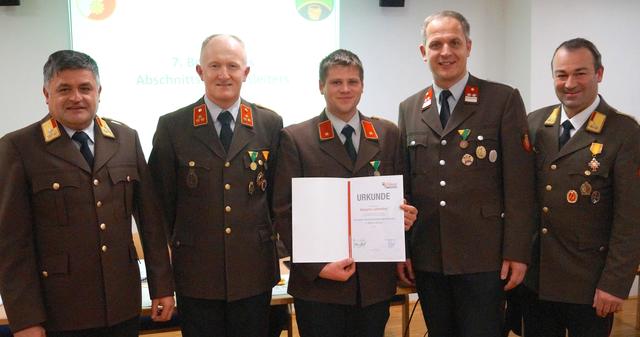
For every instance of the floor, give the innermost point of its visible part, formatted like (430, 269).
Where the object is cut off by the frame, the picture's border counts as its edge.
(624, 323)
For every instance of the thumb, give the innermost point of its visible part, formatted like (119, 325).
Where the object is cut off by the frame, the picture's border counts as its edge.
(504, 271)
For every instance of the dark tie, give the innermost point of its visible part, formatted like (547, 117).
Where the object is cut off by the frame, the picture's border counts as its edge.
(566, 133)
(347, 131)
(83, 139)
(225, 132)
(444, 107)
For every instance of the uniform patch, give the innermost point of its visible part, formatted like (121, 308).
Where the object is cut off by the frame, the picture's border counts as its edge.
(596, 122)
(369, 130)
(50, 130)
(471, 93)
(104, 128)
(200, 115)
(325, 130)
(427, 99)
(246, 116)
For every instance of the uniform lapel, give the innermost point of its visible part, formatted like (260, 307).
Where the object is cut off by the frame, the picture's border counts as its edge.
(207, 133)
(242, 134)
(547, 137)
(104, 148)
(64, 148)
(333, 147)
(463, 109)
(368, 148)
(430, 115)
(583, 138)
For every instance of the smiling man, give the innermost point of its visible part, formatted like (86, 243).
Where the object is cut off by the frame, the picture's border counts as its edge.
(70, 184)
(213, 163)
(341, 298)
(588, 179)
(469, 171)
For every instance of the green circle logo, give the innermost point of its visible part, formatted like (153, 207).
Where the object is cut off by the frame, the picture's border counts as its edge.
(314, 10)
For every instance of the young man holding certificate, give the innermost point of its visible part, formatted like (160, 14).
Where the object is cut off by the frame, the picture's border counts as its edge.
(339, 298)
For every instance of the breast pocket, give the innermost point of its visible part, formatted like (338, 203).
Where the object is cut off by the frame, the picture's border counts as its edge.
(52, 195)
(193, 175)
(484, 147)
(417, 147)
(123, 179)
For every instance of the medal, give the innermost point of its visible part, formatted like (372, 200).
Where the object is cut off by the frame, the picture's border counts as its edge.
(265, 155)
(252, 188)
(596, 149)
(464, 134)
(493, 156)
(263, 185)
(467, 159)
(481, 152)
(376, 167)
(594, 164)
(253, 155)
(572, 196)
(585, 188)
(192, 179)
(595, 197)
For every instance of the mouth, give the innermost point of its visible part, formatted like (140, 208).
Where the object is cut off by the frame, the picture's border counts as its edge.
(446, 63)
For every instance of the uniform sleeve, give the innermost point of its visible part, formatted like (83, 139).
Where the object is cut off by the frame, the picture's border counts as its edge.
(624, 248)
(19, 278)
(273, 159)
(518, 169)
(151, 226)
(405, 169)
(289, 166)
(162, 164)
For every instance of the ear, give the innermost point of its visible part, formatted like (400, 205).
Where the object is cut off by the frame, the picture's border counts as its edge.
(246, 73)
(423, 52)
(469, 47)
(321, 87)
(46, 94)
(599, 74)
(200, 72)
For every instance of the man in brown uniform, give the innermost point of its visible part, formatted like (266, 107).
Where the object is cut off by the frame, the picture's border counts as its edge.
(469, 171)
(70, 184)
(338, 298)
(588, 183)
(212, 162)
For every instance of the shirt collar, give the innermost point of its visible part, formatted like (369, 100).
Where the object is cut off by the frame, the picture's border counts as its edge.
(339, 124)
(88, 130)
(215, 110)
(456, 89)
(581, 117)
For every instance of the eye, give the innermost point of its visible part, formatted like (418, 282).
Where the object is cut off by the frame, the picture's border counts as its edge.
(435, 45)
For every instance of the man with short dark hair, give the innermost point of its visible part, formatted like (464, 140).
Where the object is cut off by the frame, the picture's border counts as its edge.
(469, 171)
(588, 184)
(70, 184)
(341, 298)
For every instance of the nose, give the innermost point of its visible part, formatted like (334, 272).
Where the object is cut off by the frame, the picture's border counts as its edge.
(75, 95)
(570, 83)
(223, 73)
(446, 49)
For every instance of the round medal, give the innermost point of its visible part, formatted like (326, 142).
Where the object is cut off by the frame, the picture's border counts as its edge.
(481, 152)
(467, 159)
(376, 173)
(493, 156)
(252, 188)
(464, 144)
(595, 197)
(585, 188)
(253, 166)
(572, 196)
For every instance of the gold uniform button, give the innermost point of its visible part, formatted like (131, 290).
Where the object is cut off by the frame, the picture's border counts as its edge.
(227, 187)
(227, 230)
(192, 163)
(554, 166)
(96, 182)
(544, 231)
(55, 186)
(103, 226)
(548, 187)
(587, 173)
(99, 204)
(227, 164)
(104, 248)
(545, 209)
(45, 274)
(227, 209)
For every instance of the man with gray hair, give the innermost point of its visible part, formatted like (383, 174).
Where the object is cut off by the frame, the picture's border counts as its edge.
(70, 184)
(469, 171)
(213, 163)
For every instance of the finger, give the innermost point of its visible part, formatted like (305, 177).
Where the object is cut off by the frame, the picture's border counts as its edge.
(412, 276)
(504, 271)
(167, 312)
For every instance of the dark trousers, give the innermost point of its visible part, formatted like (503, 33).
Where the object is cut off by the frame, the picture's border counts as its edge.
(553, 319)
(248, 317)
(317, 319)
(128, 328)
(466, 305)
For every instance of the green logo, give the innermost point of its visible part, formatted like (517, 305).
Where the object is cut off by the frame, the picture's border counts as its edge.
(314, 10)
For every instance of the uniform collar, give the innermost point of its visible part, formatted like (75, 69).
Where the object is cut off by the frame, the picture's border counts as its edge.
(581, 117)
(215, 110)
(88, 130)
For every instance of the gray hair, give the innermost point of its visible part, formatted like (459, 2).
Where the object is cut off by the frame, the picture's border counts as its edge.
(211, 37)
(66, 60)
(466, 28)
(340, 57)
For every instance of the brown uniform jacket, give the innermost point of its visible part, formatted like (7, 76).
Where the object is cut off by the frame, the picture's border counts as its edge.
(470, 217)
(68, 260)
(303, 153)
(594, 242)
(220, 229)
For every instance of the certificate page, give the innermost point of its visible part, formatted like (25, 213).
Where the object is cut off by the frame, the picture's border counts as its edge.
(377, 222)
(319, 209)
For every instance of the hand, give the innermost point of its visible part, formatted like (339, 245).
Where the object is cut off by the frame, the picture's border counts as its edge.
(339, 270)
(405, 273)
(606, 304)
(34, 331)
(162, 308)
(410, 215)
(515, 270)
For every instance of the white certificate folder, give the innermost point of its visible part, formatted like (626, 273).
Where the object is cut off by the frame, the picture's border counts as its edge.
(337, 218)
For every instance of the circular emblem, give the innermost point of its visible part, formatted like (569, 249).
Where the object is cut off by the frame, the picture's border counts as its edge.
(493, 156)
(96, 9)
(314, 10)
(467, 159)
(595, 197)
(572, 196)
(481, 152)
(464, 144)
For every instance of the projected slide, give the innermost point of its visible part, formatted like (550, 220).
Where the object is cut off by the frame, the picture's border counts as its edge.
(147, 51)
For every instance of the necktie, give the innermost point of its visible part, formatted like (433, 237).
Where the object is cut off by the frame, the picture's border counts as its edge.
(566, 133)
(444, 107)
(83, 139)
(225, 133)
(347, 131)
